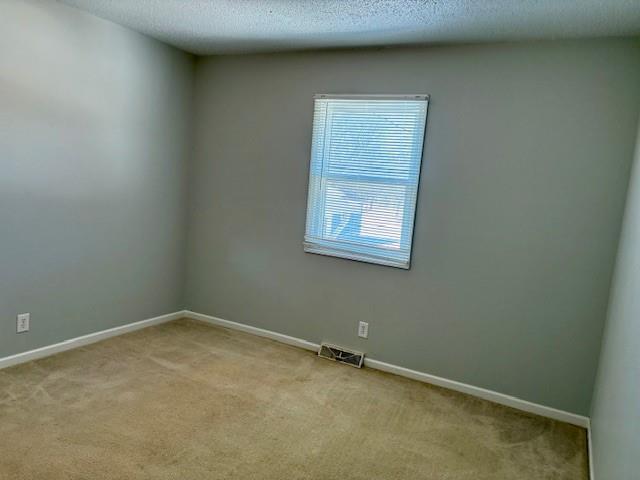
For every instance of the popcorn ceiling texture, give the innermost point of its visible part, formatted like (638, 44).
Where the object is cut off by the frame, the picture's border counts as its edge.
(241, 26)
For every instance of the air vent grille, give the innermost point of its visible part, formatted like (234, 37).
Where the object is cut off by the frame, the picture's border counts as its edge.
(342, 355)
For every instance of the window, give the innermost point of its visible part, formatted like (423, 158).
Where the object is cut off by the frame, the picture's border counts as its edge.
(363, 182)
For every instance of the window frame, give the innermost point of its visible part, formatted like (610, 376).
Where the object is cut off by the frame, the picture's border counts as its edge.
(364, 253)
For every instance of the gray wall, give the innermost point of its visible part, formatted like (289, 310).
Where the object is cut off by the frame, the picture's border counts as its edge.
(94, 137)
(615, 420)
(527, 156)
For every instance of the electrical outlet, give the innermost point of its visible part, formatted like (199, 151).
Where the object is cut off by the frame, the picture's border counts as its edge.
(22, 323)
(363, 330)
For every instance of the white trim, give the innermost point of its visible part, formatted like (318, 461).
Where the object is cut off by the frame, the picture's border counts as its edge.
(373, 96)
(490, 395)
(261, 332)
(496, 397)
(86, 340)
(592, 473)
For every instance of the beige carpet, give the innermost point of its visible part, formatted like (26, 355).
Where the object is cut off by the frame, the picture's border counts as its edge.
(186, 400)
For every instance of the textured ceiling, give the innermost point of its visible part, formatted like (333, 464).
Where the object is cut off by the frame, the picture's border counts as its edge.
(235, 26)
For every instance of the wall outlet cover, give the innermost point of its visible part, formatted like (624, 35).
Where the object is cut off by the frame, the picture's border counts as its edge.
(363, 330)
(22, 323)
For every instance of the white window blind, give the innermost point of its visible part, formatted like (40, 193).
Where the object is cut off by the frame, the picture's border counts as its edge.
(365, 168)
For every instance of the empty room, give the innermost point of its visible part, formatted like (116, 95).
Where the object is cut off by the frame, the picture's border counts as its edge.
(320, 239)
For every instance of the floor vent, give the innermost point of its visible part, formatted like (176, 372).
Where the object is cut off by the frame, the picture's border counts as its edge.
(339, 354)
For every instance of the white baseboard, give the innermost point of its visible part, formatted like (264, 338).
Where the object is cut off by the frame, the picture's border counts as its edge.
(261, 332)
(592, 473)
(86, 339)
(496, 397)
(490, 395)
